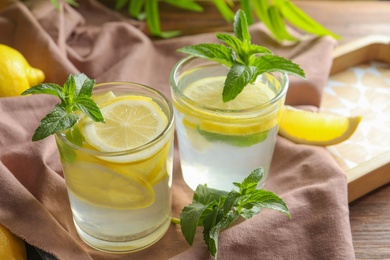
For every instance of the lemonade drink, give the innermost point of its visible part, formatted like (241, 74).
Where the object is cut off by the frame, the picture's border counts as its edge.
(119, 173)
(219, 142)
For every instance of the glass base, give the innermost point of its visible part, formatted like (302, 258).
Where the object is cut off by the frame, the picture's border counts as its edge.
(127, 246)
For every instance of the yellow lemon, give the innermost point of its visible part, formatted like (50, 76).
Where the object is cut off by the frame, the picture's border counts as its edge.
(16, 74)
(316, 128)
(11, 246)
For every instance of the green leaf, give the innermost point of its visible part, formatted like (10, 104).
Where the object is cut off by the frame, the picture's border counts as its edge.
(135, 8)
(271, 63)
(69, 90)
(213, 234)
(247, 8)
(57, 120)
(74, 136)
(119, 4)
(153, 17)
(224, 9)
(205, 195)
(237, 78)
(189, 218)
(210, 51)
(241, 27)
(278, 24)
(84, 85)
(45, 88)
(249, 184)
(232, 41)
(186, 5)
(89, 107)
(265, 199)
(301, 20)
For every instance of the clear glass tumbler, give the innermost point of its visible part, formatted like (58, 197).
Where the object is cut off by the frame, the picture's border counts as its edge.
(221, 143)
(120, 199)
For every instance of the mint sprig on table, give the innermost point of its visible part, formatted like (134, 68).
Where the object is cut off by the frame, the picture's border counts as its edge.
(246, 61)
(216, 210)
(75, 96)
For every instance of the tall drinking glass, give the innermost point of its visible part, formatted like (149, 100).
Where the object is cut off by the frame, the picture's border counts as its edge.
(221, 143)
(121, 198)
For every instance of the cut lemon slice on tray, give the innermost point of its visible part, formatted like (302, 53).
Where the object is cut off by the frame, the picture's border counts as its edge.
(316, 128)
(130, 122)
(101, 186)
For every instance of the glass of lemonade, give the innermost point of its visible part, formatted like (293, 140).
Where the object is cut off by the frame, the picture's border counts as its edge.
(119, 173)
(221, 143)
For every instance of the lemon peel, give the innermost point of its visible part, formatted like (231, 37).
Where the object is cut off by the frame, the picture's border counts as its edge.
(16, 74)
(11, 246)
(316, 128)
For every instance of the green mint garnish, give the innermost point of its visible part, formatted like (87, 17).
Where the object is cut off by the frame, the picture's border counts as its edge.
(245, 60)
(75, 95)
(215, 209)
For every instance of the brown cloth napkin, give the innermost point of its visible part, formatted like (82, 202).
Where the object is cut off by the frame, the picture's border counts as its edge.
(97, 41)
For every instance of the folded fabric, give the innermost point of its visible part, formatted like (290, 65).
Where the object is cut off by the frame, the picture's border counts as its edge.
(107, 47)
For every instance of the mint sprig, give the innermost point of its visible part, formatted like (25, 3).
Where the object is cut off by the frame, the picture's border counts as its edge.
(75, 95)
(216, 210)
(245, 60)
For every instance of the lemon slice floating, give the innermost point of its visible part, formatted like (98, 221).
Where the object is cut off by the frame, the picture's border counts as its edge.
(208, 91)
(306, 127)
(130, 122)
(103, 187)
(237, 130)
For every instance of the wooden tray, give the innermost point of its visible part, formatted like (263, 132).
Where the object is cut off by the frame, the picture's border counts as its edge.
(359, 84)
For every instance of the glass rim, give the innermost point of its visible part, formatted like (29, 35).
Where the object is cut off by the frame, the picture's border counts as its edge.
(162, 135)
(283, 80)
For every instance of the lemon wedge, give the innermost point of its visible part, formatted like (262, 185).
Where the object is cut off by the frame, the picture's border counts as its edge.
(316, 128)
(130, 122)
(103, 187)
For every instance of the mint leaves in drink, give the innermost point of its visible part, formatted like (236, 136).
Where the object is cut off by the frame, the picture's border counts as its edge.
(246, 61)
(75, 96)
(216, 210)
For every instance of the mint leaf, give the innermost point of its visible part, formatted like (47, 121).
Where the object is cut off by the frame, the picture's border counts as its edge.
(84, 85)
(74, 95)
(237, 78)
(57, 120)
(45, 88)
(215, 52)
(215, 210)
(89, 107)
(245, 60)
(240, 27)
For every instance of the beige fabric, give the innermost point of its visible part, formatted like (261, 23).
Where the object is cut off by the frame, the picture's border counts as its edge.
(96, 41)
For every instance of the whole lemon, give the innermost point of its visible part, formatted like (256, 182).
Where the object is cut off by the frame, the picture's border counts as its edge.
(11, 246)
(16, 74)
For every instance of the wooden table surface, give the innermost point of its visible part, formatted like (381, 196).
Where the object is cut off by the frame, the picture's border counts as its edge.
(369, 215)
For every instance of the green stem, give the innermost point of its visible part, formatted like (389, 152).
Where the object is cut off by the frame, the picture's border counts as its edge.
(175, 220)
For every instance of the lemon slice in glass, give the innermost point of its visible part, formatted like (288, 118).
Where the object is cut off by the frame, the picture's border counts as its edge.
(130, 122)
(235, 128)
(208, 92)
(103, 187)
(316, 128)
